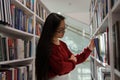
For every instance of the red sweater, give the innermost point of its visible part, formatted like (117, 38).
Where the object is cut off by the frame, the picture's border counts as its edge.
(59, 59)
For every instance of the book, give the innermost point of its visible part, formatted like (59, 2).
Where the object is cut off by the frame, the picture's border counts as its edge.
(97, 46)
(101, 44)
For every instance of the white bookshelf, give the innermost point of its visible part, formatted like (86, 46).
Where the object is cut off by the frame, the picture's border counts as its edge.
(7, 30)
(108, 21)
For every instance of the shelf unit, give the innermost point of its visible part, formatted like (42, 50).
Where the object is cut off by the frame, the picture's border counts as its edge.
(104, 17)
(27, 13)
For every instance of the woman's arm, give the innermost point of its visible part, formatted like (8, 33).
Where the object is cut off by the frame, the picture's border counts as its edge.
(60, 66)
(84, 54)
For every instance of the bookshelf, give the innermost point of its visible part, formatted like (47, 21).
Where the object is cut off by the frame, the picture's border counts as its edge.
(20, 28)
(105, 26)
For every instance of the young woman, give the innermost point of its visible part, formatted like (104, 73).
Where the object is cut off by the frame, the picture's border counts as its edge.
(53, 59)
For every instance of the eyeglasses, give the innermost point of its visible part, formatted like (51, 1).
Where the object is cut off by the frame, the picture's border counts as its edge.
(62, 30)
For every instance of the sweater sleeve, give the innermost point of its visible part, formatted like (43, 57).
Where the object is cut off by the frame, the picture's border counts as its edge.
(59, 65)
(83, 55)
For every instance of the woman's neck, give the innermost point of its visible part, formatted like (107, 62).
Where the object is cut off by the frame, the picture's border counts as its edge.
(56, 41)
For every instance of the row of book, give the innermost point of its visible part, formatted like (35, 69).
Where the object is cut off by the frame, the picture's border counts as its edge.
(15, 17)
(28, 3)
(102, 47)
(102, 7)
(13, 48)
(38, 29)
(102, 54)
(5, 12)
(41, 11)
(19, 73)
(102, 10)
(20, 20)
(116, 44)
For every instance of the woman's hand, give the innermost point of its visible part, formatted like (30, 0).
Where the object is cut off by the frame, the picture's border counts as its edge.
(91, 45)
(73, 58)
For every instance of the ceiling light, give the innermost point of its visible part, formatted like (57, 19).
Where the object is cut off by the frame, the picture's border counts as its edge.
(59, 12)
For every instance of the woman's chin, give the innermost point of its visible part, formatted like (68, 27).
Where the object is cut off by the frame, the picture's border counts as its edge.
(61, 37)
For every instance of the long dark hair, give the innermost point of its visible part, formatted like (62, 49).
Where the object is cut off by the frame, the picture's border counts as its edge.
(44, 45)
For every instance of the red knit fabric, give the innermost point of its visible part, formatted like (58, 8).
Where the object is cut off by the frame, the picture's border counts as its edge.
(59, 59)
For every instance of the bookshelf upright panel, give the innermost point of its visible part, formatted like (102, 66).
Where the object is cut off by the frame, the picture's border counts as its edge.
(108, 25)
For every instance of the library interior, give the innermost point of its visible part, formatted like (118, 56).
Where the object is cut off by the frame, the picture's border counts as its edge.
(89, 49)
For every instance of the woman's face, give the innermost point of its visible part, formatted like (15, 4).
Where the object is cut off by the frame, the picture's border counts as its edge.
(60, 30)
